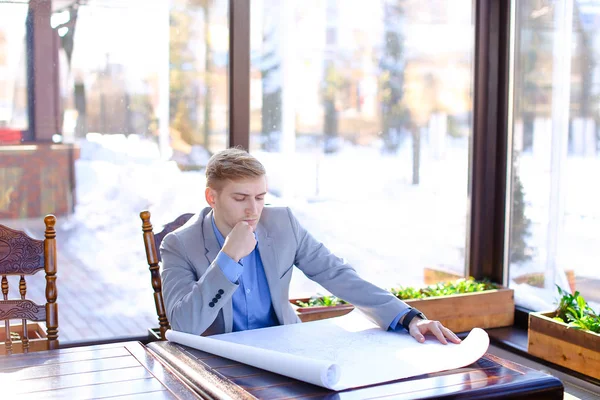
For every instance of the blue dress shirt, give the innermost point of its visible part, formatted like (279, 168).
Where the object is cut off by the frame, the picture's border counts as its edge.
(252, 305)
(394, 325)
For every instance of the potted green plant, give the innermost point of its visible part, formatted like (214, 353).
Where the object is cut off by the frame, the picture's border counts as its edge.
(458, 286)
(568, 336)
(320, 307)
(462, 304)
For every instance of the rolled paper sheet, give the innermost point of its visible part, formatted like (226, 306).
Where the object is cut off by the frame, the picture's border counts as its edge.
(317, 372)
(339, 353)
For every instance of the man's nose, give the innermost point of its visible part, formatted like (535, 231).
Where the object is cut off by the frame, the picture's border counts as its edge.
(252, 207)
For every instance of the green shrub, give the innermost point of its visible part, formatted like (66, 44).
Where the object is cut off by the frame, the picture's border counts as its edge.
(321, 301)
(575, 312)
(465, 285)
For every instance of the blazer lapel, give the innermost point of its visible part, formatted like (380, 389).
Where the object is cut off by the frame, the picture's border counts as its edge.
(268, 257)
(211, 245)
(212, 248)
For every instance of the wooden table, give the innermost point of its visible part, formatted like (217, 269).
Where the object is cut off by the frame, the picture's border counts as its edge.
(125, 369)
(215, 377)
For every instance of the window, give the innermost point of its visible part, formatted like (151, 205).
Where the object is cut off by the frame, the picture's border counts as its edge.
(13, 71)
(361, 113)
(555, 217)
(143, 97)
(14, 116)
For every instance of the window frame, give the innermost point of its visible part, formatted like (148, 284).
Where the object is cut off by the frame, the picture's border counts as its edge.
(489, 172)
(489, 148)
(239, 73)
(489, 152)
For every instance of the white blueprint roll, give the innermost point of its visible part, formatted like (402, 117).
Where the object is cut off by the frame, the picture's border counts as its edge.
(339, 353)
(317, 372)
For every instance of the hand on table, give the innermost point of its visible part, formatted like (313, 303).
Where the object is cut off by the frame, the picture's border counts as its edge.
(419, 327)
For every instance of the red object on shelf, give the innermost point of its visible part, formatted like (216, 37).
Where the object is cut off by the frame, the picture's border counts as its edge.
(10, 136)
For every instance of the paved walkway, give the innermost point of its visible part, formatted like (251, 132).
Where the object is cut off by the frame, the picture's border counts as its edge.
(103, 282)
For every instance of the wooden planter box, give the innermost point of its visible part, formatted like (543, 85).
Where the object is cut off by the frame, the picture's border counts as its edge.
(463, 312)
(459, 312)
(35, 332)
(556, 342)
(307, 314)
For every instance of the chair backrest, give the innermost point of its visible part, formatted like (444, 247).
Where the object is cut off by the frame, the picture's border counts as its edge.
(22, 255)
(152, 243)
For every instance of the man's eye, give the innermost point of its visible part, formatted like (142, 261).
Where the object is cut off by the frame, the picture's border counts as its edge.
(260, 198)
(238, 198)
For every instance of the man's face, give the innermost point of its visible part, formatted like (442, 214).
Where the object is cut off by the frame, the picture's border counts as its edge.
(237, 201)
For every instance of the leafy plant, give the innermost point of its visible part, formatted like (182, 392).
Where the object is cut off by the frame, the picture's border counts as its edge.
(575, 312)
(468, 285)
(321, 301)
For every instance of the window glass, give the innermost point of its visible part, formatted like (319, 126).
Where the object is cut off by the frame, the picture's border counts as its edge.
(361, 113)
(13, 71)
(555, 218)
(142, 95)
(14, 116)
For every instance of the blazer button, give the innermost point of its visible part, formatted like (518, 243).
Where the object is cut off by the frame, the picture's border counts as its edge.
(218, 296)
(215, 300)
(221, 291)
(211, 304)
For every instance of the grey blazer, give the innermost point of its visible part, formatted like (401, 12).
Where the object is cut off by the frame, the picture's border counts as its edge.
(191, 277)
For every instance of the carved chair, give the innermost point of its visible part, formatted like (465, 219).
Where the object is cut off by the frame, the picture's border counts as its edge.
(21, 255)
(152, 243)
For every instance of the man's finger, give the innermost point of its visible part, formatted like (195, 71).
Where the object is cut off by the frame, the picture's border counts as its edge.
(415, 333)
(435, 329)
(451, 335)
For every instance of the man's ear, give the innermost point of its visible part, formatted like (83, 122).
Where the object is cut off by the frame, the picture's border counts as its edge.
(209, 195)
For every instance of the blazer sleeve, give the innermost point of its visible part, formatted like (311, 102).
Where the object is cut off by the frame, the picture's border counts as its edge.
(338, 277)
(192, 302)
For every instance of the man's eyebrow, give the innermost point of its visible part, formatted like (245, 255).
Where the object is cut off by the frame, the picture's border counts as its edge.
(246, 194)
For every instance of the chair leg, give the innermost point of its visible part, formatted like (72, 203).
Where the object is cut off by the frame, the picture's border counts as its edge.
(51, 292)
(8, 342)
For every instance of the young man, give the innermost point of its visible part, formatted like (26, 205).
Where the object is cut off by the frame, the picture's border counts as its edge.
(229, 268)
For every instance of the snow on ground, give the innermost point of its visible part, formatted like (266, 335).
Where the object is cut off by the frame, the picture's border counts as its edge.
(386, 227)
(117, 178)
(358, 201)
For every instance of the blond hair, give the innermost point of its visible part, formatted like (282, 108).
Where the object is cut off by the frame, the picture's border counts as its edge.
(232, 164)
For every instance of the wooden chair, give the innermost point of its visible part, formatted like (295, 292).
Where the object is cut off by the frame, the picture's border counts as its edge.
(152, 243)
(22, 255)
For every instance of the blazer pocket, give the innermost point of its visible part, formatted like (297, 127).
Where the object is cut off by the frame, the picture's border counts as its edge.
(287, 271)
